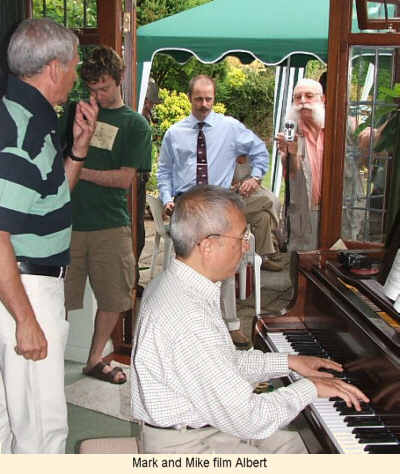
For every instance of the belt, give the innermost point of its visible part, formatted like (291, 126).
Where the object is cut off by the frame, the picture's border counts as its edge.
(27, 268)
(176, 429)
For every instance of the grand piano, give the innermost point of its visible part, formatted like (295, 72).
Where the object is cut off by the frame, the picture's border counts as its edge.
(337, 315)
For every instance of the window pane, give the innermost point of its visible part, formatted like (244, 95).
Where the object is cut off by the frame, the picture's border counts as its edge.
(79, 13)
(376, 10)
(369, 145)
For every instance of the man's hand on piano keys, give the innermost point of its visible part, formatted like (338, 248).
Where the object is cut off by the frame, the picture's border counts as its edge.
(308, 366)
(327, 385)
(333, 387)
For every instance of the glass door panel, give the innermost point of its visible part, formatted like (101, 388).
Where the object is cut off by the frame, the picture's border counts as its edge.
(368, 146)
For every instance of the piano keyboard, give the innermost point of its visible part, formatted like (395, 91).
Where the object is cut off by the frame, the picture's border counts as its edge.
(352, 432)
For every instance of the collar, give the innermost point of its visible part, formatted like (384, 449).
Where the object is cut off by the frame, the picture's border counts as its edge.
(200, 285)
(302, 127)
(209, 120)
(31, 99)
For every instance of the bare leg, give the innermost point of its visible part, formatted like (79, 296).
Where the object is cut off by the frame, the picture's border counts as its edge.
(104, 324)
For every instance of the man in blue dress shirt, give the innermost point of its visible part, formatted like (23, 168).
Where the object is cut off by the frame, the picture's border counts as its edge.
(226, 139)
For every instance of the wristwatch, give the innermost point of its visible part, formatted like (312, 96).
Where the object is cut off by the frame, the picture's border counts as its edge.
(258, 179)
(76, 158)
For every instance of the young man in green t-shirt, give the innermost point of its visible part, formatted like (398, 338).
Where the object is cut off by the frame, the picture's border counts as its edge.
(101, 245)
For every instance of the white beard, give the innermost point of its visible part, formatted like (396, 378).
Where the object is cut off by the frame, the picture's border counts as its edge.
(318, 112)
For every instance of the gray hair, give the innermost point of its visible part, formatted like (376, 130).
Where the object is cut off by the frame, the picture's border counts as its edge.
(36, 42)
(200, 212)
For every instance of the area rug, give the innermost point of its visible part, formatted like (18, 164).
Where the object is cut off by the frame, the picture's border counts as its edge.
(104, 397)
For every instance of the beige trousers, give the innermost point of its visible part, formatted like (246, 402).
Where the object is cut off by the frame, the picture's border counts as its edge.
(260, 212)
(210, 440)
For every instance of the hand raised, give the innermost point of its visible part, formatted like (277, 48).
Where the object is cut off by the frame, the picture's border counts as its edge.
(84, 125)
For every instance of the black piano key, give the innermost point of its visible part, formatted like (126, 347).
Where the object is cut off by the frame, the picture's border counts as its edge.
(352, 411)
(294, 332)
(363, 421)
(383, 449)
(309, 339)
(391, 420)
(365, 431)
(340, 403)
(335, 373)
(307, 345)
(383, 438)
(304, 343)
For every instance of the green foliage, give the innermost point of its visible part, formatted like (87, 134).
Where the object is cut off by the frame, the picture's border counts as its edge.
(153, 10)
(389, 136)
(174, 107)
(74, 17)
(151, 185)
(248, 93)
(170, 74)
(388, 112)
(360, 66)
(314, 69)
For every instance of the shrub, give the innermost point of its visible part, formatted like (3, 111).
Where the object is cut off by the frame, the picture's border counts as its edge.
(248, 93)
(175, 106)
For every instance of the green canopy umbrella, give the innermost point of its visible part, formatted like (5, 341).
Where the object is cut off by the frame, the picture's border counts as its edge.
(268, 30)
(274, 32)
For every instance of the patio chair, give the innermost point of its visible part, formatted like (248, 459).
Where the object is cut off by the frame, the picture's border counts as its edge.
(161, 231)
(252, 258)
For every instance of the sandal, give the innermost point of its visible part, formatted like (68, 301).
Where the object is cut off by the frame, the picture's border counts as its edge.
(97, 372)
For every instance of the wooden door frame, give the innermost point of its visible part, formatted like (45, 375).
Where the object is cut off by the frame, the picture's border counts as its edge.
(341, 39)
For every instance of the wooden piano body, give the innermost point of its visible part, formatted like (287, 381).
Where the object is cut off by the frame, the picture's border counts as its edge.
(356, 325)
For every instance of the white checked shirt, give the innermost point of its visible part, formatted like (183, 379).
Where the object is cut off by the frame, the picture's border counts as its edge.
(186, 370)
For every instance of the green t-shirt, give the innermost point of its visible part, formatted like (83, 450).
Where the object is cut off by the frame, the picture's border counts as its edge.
(122, 139)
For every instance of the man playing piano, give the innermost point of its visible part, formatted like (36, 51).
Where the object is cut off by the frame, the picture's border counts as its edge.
(191, 389)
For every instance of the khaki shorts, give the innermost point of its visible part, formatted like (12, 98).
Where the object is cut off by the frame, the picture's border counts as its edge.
(105, 256)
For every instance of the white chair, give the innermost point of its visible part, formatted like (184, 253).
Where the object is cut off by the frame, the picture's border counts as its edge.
(161, 230)
(252, 258)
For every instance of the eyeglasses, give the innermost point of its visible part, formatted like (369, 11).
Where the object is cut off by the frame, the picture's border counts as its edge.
(306, 95)
(244, 238)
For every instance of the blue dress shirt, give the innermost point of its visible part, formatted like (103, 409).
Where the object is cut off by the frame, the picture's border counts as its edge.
(226, 139)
